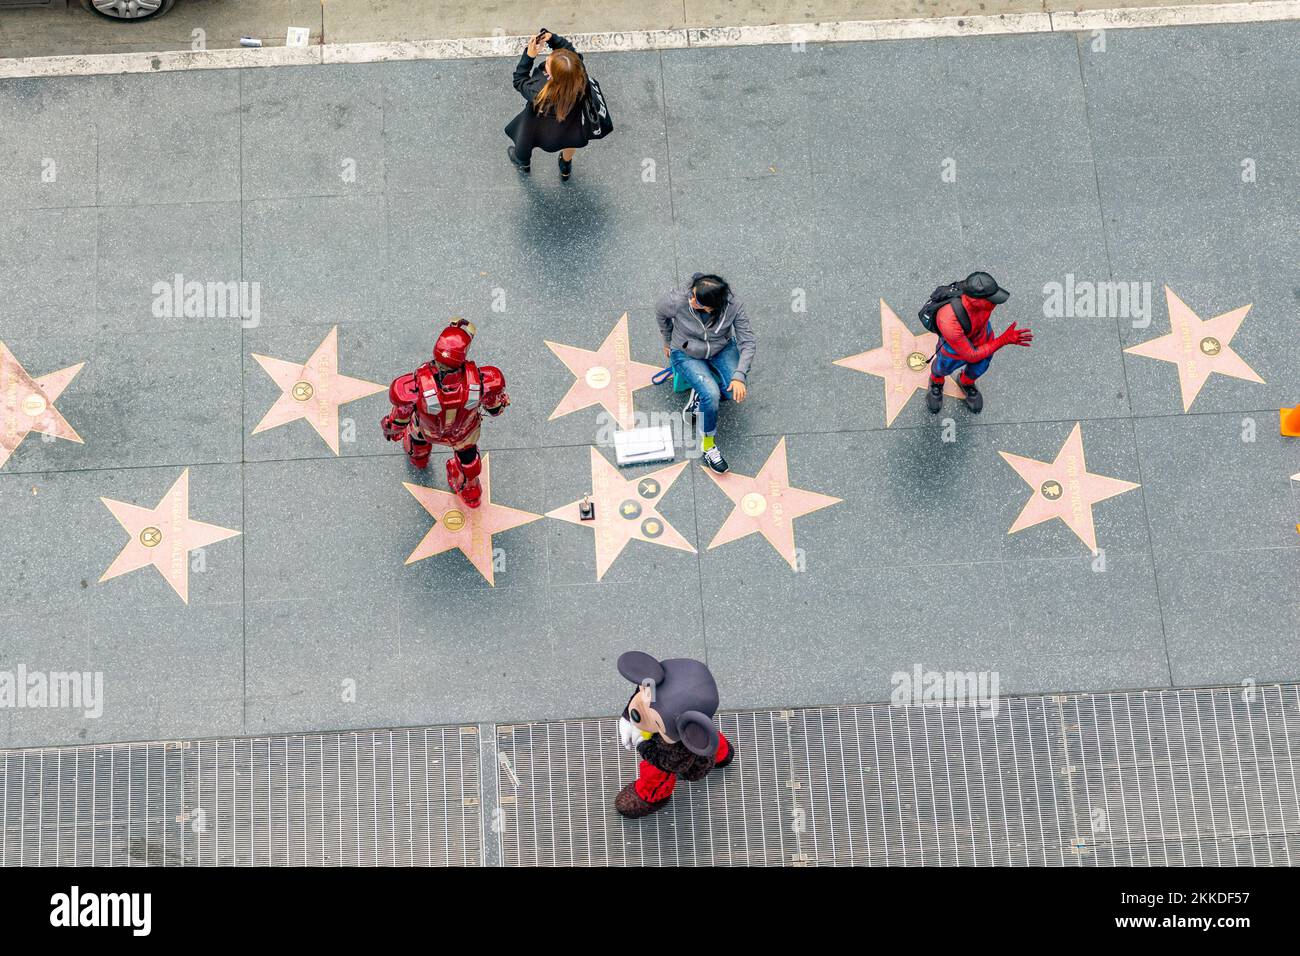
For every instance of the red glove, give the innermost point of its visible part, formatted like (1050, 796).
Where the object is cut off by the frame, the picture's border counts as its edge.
(393, 431)
(1014, 336)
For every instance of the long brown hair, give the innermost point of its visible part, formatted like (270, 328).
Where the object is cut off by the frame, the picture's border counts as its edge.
(565, 86)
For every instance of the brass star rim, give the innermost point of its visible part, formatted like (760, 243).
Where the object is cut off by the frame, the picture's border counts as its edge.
(27, 404)
(902, 361)
(169, 523)
(608, 377)
(1198, 347)
(624, 511)
(767, 504)
(456, 526)
(1064, 488)
(314, 390)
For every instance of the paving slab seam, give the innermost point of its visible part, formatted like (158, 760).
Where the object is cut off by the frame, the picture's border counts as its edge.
(640, 40)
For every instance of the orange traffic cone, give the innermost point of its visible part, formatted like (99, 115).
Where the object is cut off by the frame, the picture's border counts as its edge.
(1291, 422)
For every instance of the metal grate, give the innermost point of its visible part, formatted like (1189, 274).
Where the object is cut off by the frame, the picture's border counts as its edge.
(397, 797)
(1173, 777)
(1177, 777)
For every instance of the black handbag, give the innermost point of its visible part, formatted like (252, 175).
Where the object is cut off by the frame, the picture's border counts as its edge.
(595, 112)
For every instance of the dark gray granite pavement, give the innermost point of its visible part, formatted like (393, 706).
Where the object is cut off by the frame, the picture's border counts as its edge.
(376, 198)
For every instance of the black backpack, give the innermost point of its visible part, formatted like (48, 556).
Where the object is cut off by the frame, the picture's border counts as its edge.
(949, 294)
(595, 112)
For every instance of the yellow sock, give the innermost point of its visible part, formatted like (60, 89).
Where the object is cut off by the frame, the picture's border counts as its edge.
(707, 443)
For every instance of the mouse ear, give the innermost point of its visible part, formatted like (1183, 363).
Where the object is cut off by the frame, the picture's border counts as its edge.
(697, 732)
(638, 667)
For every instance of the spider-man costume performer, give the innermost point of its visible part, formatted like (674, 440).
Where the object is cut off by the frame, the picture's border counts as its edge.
(442, 403)
(967, 341)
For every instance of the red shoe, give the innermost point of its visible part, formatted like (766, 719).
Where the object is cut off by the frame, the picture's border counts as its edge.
(470, 491)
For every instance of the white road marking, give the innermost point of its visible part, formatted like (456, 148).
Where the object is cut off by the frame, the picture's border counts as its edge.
(832, 32)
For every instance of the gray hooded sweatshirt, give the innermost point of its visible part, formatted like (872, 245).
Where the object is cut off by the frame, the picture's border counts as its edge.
(702, 335)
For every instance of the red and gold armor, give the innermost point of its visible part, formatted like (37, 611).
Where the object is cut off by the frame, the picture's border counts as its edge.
(442, 403)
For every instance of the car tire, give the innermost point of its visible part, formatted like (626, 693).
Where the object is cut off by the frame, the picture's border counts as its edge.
(120, 11)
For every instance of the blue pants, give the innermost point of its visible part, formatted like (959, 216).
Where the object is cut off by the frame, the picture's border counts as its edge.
(945, 363)
(706, 377)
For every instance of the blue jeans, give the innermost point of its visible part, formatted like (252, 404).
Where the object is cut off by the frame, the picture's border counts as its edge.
(945, 363)
(706, 377)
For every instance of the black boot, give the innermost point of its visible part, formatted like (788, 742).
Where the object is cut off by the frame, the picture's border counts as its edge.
(566, 168)
(974, 400)
(934, 397)
(514, 160)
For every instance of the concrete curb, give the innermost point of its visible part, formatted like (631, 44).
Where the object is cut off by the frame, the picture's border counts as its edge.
(507, 46)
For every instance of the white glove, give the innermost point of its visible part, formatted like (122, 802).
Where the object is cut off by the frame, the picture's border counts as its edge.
(628, 735)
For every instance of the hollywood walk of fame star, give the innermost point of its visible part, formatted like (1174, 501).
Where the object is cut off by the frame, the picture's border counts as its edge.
(766, 504)
(903, 361)
(313, 390)
(1065, 489)
(27, 404)
(626, 509)
(163, 536)
(607, 377)
(1198, 347)
(455, 525)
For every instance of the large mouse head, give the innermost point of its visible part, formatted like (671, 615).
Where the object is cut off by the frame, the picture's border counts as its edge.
(676, 699)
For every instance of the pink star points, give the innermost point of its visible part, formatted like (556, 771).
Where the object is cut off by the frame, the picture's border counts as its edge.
(626, 509)
(27, 404)
(767, 505)
(457, 526)
(902, 360)
(313, 390)
(163, 536)
(1065, 489)
(607, 377)
(1199, 348)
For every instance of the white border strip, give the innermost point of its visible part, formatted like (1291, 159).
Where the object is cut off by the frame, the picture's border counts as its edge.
(1260, 11)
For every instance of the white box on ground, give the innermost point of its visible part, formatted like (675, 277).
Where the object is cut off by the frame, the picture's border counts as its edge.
(298, 36)
(640, 446)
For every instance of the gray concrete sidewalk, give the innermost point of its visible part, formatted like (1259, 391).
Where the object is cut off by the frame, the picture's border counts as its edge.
(40, 32)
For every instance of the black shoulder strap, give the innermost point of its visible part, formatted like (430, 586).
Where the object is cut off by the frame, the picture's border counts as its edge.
(959, 310)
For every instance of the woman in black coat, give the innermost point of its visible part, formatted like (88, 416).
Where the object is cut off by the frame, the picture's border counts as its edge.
(555, 91)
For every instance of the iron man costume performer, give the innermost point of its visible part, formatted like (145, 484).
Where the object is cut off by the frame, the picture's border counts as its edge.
(442, 403)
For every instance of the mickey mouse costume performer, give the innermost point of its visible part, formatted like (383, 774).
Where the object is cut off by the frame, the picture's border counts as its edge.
(669, 722)
(966, 339)
(442, 402)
